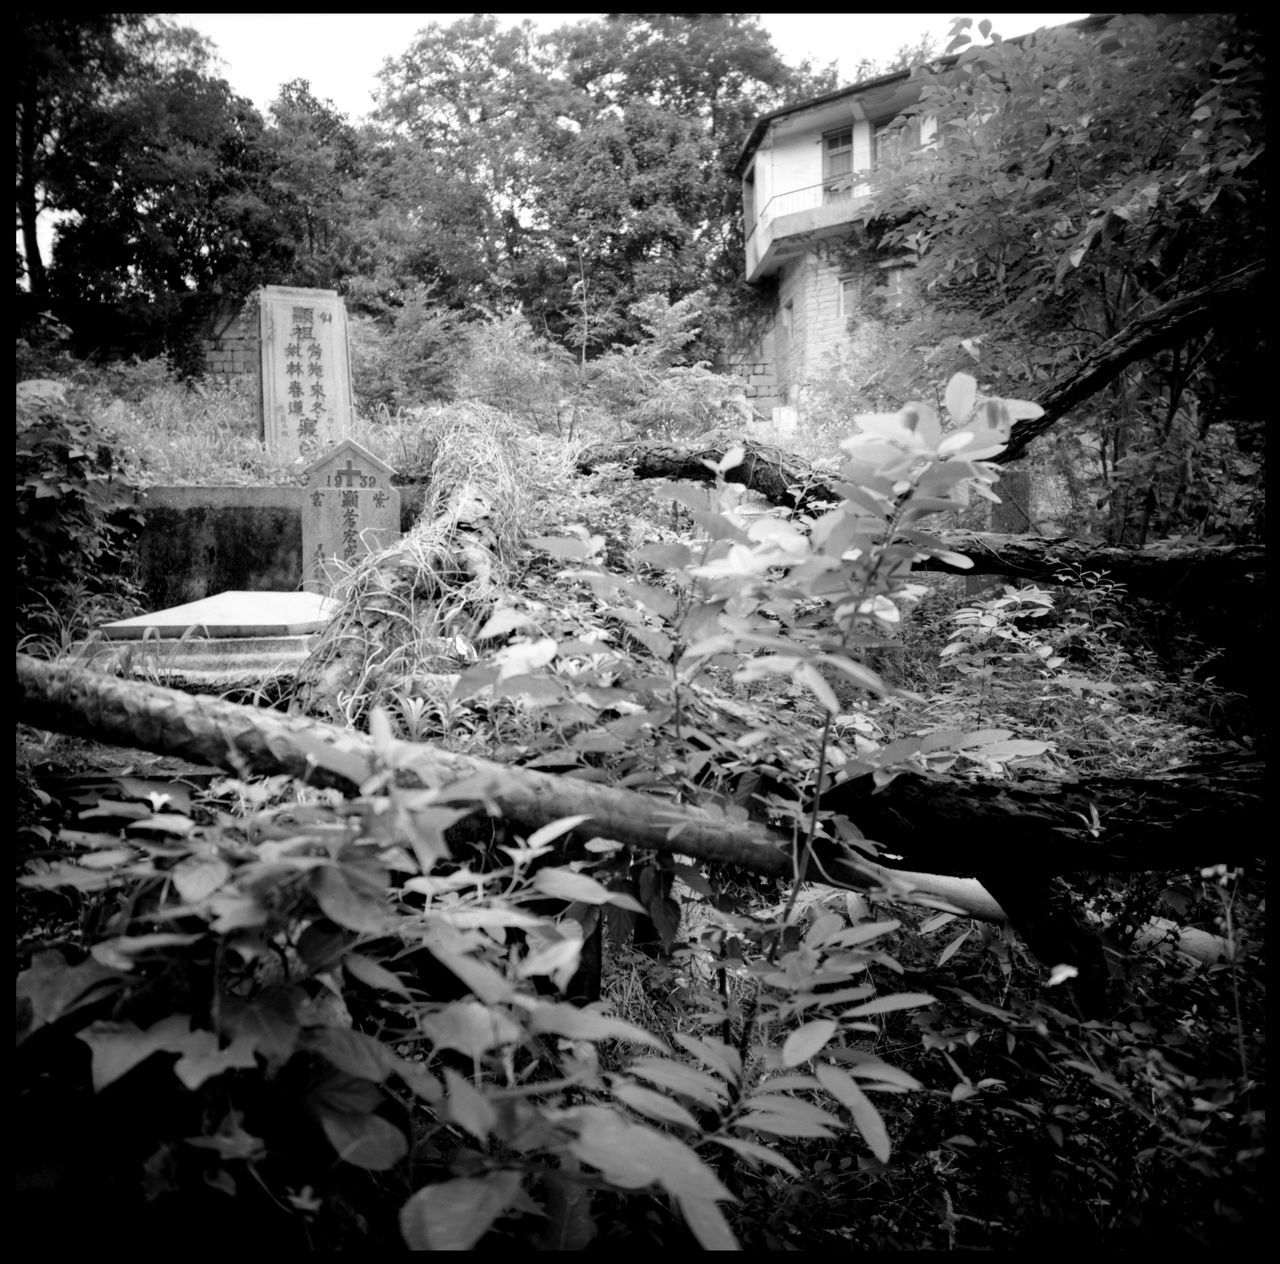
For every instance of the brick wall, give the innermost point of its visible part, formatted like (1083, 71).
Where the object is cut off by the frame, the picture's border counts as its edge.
(233, 349)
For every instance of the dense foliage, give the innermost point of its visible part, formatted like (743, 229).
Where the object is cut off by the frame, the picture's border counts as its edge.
(1079, 180)
(310, 1021)
(322, 1022)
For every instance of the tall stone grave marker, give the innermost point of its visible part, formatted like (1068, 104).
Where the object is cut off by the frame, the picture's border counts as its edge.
(306, 370)
(349, 509)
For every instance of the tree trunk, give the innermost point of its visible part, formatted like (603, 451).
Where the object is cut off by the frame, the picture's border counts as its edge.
(1165, 326)
(1185, 574)
(1172, 823)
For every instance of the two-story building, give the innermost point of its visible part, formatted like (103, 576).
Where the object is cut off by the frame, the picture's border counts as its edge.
(806, 172)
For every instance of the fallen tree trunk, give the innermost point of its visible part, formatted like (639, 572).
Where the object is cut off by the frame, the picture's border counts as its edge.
(1186, 574)
(1008, 827)
(1162, 327)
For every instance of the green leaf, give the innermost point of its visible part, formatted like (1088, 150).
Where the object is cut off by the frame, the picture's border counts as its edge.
(680, 1078)
(723, 1059)
(807, 1040)
(784, 1124)
(868, 1066)
(116, 1048)
(632, 1155)
(562, 546)
(483, 980)
(202, 1059)
(586, 1024)
(756, 1153)
(863, 933)
(467, 1106)
(887, 1004)
(266, 1022)
(342, 902)
(54, 988)
(705, 1219)
(555, 829)
(840, 1085)
(500, 622)
(962, 391)
(353, 1052)
(374, 975)
(953, 947)
(564, 884)
(198, 877)
(655, 1106)
(455, 1215)
(670, 557)
(364, 1140)
(809, 675)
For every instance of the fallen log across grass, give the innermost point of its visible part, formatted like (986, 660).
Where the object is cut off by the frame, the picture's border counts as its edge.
(1017, 840)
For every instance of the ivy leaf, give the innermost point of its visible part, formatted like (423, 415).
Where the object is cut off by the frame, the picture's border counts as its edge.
(203, 1059)
(455, 1215)
(198, 877)
(116, 1048)
(54, 988)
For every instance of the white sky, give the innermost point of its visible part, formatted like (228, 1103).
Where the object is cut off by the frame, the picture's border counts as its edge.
(341, 53)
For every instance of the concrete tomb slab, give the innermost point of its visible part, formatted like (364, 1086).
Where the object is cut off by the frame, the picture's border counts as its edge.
(349, 509)
(306, 370)
(231, 615)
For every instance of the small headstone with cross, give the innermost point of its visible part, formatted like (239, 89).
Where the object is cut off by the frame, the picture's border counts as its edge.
(349, 509)
(306, 372)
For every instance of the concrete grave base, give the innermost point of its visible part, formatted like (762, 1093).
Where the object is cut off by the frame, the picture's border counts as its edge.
(236, 640)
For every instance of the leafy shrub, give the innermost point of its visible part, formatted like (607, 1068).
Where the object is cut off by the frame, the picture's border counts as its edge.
(302, 1017)
(409, 357)
(76, 518)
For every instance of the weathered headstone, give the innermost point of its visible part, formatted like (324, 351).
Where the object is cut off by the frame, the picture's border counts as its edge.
(349, 508)
(306, 370)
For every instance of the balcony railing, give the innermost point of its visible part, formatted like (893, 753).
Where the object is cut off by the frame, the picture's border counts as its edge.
(829, 192)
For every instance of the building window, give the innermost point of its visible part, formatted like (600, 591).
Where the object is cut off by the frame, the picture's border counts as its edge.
(898, 288)
(788, 317)
(847, 292)
(837, 165)
(890, 143)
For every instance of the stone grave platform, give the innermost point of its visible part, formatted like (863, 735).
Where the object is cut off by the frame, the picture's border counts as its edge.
(236, 640)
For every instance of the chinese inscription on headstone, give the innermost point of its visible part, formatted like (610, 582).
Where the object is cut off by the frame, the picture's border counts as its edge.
(349, 508)
(306, 374)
